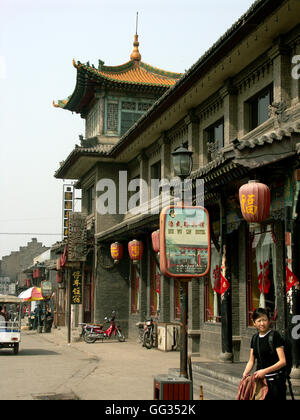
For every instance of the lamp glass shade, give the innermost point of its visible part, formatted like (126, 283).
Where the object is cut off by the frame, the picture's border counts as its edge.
(182, 162)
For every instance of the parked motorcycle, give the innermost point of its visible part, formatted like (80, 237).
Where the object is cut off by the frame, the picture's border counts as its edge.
(93, 332)
(148, 335)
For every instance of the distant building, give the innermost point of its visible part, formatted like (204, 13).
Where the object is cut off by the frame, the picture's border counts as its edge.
(12, 265)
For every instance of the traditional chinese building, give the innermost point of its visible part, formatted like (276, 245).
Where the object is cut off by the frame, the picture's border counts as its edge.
(110, 99)
(238, 110)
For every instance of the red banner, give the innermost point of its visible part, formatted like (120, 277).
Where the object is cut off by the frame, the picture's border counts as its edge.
(291, 279)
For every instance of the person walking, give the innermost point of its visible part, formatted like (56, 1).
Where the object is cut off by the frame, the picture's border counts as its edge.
(2, 318)
(5, 313)
(270, 363)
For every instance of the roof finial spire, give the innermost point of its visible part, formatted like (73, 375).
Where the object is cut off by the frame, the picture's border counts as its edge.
(135, 55)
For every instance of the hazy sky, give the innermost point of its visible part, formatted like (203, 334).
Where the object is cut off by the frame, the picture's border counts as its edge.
(38, 41)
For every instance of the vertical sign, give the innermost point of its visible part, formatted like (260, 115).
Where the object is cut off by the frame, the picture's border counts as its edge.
(76, 287)
(77, 238)
(68, 206)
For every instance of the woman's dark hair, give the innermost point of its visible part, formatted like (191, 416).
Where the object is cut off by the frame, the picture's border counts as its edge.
(260, 312)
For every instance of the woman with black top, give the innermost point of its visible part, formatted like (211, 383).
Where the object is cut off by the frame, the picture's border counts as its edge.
(270, 364)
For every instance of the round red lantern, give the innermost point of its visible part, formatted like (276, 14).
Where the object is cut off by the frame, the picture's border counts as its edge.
(255, 199)
(116, 251)
(155, 240)
(135, 249)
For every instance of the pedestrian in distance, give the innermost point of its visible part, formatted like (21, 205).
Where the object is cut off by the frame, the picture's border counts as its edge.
(267, 348)
(2, 318)
(5, 313)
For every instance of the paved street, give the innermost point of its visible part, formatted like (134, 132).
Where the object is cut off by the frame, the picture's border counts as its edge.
(42, 368)
(47, 367)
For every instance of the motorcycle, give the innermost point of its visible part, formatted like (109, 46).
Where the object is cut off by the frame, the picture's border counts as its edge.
(148, 335)
(93, 332)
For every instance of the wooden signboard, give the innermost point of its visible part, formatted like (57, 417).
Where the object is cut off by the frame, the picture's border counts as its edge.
(77, 240)
(76, 287)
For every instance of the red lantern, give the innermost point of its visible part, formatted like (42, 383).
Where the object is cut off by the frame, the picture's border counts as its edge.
(135, 249)
(255, 199)
(116, 251)
(156, 240)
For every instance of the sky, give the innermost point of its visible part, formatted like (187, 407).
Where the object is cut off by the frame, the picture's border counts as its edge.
(38, 41)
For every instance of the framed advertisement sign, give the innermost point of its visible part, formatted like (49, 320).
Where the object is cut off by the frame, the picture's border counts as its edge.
(185, 241)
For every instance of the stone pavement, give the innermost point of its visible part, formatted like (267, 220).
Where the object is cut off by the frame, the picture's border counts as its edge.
(125, 371)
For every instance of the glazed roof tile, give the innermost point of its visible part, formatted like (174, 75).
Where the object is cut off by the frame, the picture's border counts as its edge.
(132, 73)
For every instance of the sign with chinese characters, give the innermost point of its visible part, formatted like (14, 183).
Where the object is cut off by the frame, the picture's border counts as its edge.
(68, 205)
(77, 240)
(76, 287)
(185, 241)
(248, 203)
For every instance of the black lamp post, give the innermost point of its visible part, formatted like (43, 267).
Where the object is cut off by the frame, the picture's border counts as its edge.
(183, 163)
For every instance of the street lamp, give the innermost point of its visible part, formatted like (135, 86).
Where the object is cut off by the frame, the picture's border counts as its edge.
(183, 163)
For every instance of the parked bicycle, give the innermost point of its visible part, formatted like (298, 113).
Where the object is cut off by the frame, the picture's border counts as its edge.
(92, 332)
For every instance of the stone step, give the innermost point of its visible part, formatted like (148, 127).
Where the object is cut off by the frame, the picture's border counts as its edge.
(220, 381)
(213, 389)
(215, 386)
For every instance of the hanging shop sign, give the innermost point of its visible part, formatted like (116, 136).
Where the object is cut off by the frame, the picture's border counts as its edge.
(77, 239)
(255, 199)
(184, 241)
(116, 251)
(46, 288)
(76, 287)
(155, 240)
(68, 206)
(135, 249)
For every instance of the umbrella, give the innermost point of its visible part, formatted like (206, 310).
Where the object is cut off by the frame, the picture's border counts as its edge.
(31, 294)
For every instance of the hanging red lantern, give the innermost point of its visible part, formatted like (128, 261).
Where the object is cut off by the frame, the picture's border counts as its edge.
(135, 249)
(116, 251)
(255, 199)
(156, 240)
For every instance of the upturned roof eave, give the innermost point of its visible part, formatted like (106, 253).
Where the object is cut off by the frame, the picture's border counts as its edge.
(87, 75)
(73, 157)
